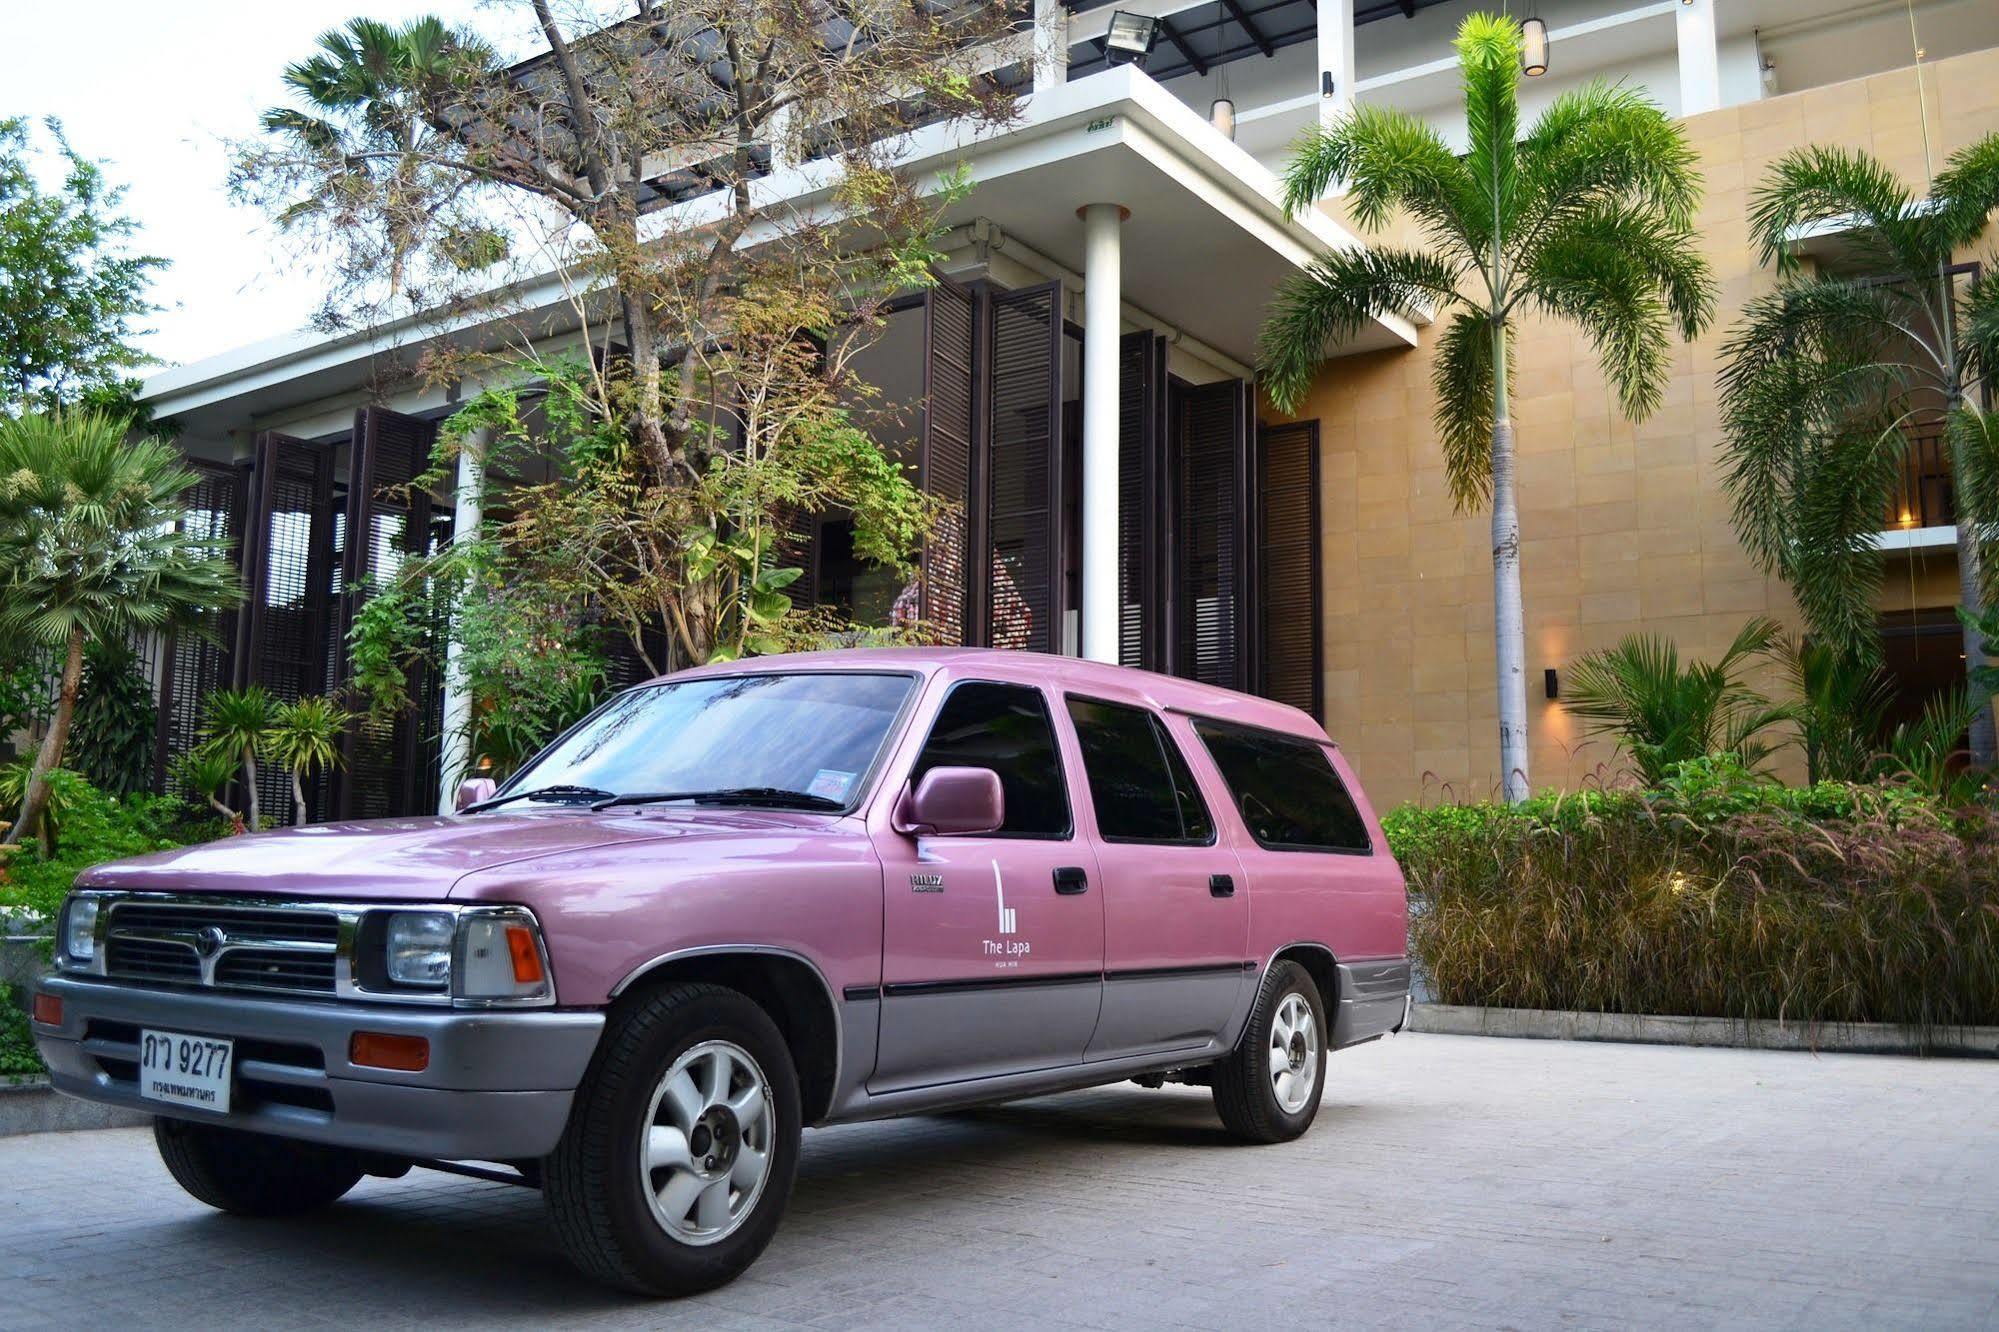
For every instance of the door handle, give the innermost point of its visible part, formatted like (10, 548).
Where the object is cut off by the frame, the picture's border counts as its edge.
(1221, 885)
(1070, 880)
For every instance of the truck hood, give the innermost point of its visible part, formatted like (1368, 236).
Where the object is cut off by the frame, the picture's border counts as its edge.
(419, 859)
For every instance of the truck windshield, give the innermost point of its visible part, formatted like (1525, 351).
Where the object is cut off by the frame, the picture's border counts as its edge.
(751, 738)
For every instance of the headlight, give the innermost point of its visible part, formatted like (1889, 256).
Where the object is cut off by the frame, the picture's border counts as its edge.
(500, 958)
(419, 948)
(79, 930)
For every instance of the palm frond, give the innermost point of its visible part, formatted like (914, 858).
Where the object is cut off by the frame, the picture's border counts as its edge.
(1488, 47)
(1335, 297)
(1388, 160)
(1965, 194)
(1605, 145)
(1820, 184)
(1462, 381)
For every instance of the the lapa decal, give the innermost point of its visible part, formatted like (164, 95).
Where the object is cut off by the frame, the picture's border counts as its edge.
(1006, 947)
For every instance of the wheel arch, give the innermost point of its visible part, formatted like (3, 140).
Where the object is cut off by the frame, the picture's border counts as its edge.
(1319, 964)
(788, 986)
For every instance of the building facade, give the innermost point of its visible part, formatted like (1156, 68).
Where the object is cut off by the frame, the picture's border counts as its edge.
(1079, 383)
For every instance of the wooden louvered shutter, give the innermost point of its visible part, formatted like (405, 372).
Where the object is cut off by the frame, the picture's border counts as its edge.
(1288, 598)
(388, 524)
(1210, 570)
(197, 659)
(1141, 499)
(1025, 480)
(287, 576)
(944, 460)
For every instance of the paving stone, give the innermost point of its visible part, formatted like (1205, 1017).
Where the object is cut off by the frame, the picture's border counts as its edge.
(1450, 1182)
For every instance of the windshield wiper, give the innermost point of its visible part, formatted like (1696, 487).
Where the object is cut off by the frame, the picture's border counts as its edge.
(776, 796)
(558, 792)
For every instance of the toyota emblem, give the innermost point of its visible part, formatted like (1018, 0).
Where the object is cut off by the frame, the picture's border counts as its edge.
(209, 942)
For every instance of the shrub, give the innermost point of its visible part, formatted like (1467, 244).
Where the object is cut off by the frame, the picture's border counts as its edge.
(1714, 895)
(97, 828)
(112, 736)
(17, 1043)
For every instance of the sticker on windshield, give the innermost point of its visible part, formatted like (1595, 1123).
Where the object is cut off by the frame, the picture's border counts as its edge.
(831, 783)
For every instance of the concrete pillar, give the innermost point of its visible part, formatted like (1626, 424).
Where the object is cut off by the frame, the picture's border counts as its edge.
(1051, 44)
(468, 512)
(1700, 58)
(1102, 299)
(1336, 74)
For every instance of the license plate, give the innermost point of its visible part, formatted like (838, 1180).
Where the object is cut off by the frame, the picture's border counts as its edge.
(185, 1070)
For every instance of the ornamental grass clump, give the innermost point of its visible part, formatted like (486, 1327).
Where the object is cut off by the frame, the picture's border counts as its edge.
(1713, 896)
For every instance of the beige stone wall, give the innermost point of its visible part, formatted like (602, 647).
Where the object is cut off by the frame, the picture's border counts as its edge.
(1624, 525)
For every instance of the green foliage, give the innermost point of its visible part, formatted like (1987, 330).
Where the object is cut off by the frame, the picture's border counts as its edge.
(1829, 379)
(1841, 703)
(112, 738)
(63, 786)
(18, 1058)
(97, 828)
(25, 671)
(71, 294)
(207, 773)
(305, 738)
(1663, 713)
(1715, 895)
(1929, 752)
(237, 724)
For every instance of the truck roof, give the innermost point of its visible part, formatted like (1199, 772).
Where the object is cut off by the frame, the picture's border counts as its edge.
(1165, 692)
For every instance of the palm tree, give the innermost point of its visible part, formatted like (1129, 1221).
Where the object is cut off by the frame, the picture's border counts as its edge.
(91, 549)
(239, 724)
(1587, 217)
(1840, 710)
(305, 736)
(1664, 713)
(363, 96)
(1830, 379)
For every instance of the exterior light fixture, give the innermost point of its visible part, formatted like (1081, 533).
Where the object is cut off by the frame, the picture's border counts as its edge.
(1534, 47)
(1221, 111)
(1130, 37)
(1551, 683)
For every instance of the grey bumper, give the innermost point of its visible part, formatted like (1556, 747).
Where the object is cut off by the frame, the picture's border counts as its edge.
(497, 1088)
(1374, 1000)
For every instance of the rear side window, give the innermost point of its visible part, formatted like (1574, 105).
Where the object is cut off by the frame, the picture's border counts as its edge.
(1140, 786)
(1005, 728)
(1290, 797)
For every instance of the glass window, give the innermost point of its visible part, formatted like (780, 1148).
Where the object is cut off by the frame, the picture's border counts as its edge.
(1005, 728)
(1290, 797)
(1140, 786)
(815, 734)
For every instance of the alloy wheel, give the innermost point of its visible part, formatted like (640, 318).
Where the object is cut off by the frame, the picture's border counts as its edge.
(705, 1153)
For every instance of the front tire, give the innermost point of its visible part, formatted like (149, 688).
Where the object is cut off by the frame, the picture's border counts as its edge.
(1268, 1089)
(253, 1174)
(680, 1151)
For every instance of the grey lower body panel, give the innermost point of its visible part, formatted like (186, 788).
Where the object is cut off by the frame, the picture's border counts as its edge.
(1373, 1000)
(497, 1087)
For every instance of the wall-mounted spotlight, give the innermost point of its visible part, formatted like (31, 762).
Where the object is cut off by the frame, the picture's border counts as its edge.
(1130, 38)
(1551, 683)
(1534, 47)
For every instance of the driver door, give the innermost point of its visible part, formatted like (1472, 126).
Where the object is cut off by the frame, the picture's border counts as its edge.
(993, 944)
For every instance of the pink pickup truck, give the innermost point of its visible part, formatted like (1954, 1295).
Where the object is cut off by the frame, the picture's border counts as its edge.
(732, 903)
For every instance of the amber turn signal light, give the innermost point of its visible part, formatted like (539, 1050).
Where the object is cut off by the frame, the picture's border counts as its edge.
(378, 1049)
(48, 1010)
(527, 958)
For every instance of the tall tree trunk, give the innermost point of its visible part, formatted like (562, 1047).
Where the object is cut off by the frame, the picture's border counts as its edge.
(250, 788)
(35, 797)
(298, 799)
(1508, 630)
(1971, 594)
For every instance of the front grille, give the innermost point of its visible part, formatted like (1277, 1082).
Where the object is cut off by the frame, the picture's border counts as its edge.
(144, 959)
(221, 945)
(270, 969)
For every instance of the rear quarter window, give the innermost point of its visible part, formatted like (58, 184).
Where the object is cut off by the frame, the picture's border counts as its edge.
(1286, 789)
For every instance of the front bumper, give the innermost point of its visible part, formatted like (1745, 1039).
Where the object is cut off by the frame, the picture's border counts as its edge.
(497, 1088)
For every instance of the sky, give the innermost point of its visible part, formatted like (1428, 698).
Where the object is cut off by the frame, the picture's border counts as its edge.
(155, 88)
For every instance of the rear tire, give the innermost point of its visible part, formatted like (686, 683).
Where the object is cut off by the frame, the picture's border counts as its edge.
(1268, 1088)
(681, 1148)
(253, 1174)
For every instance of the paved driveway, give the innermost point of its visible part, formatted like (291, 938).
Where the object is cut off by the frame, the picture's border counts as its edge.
(1450, 1181)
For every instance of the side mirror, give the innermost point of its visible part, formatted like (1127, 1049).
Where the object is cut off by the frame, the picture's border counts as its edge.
(952, 802)
(474, 789)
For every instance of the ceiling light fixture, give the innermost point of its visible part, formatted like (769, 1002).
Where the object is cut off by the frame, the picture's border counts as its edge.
(1221, 111)
(1534, 47)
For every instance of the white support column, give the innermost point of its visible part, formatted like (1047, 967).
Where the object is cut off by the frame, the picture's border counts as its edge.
(1700, 58)
(468, 512)
(1051, 44)
(1102, 299)
(1336, 74)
